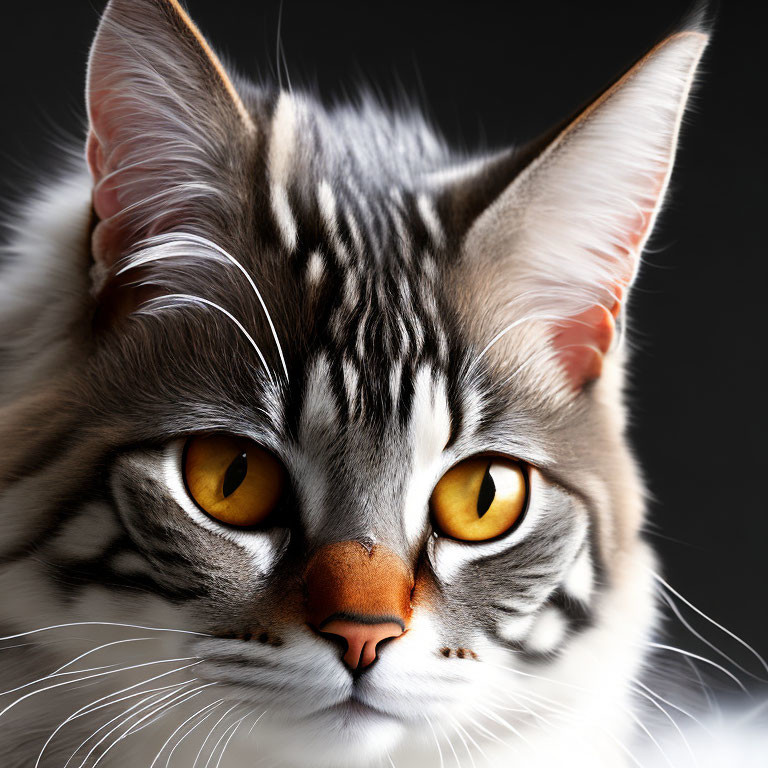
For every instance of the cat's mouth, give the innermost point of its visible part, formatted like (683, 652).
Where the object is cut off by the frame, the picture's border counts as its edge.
(354, 708)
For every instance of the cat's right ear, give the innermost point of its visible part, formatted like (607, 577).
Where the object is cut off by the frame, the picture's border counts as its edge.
(167, 126)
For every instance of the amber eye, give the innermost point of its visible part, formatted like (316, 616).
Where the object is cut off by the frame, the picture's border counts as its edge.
(480, 498)
(232, 478)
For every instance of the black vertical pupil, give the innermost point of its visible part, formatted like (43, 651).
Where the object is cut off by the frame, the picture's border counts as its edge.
(235, 474)
(487, 493)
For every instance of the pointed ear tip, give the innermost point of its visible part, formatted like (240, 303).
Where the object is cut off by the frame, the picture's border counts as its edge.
(698, 24)
(690, 43)
(118, 14)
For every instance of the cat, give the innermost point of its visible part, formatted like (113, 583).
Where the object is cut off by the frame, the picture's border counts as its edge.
(313, 431)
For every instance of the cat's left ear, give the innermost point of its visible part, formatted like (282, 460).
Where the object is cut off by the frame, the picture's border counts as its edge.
(561, 243)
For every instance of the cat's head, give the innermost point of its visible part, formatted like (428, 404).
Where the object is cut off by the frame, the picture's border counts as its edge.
(345, 403)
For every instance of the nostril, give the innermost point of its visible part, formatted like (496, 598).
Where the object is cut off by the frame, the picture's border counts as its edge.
(360, 639)
(337, 640)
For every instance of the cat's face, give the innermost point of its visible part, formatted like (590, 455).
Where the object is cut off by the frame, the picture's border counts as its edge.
(350, 416)
(359, 476)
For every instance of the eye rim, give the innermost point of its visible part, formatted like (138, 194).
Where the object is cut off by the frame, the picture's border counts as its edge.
(525, 468)
(269, 521)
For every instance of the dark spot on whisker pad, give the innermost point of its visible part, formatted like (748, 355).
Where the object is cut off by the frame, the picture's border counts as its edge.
(459, 653)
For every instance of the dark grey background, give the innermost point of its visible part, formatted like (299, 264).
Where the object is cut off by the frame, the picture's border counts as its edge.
(495, 73)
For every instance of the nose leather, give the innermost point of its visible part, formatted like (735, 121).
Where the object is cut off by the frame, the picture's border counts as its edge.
(359, 594)
(362, 639)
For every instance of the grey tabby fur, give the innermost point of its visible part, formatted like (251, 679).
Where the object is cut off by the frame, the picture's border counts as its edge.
(341, 287)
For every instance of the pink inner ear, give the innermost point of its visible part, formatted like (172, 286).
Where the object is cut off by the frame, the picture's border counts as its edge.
(583, 341)
(105, 199)
(95, 157)
(106, 237)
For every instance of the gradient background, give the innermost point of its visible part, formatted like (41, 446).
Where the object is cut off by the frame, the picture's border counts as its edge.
(498, 73)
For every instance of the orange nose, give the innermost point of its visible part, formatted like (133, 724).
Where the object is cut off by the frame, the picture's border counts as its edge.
(359, 595)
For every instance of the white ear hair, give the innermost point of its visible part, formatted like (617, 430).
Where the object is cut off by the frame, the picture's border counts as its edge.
(164, 120)
(568, 232)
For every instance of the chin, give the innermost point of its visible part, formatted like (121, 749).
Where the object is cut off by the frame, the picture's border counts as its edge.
(344, 736)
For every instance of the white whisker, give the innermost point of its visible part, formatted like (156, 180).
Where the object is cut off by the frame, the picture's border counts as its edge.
(90, 677)
(102, 624)
(460, 732)
(653, 740)
(488, 713)
(212, 708)
(181, 698)
(437, 741)
(678, 614)
(671, 720)
(671, 648)
(560, 706)
(710, 620)
(180, 299)
(490, 735)
(234, 729)
(504, 331)
(57, 674)
(80, 713)
(210, 733)
(189, 695)
(91, 707)
(537, 357)
(99, 648)
(178, 238)
(524, 708)
(154, 695)
(176, 730)
(450, 744)
(673, 705)
(256, 722)
(123, 719)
